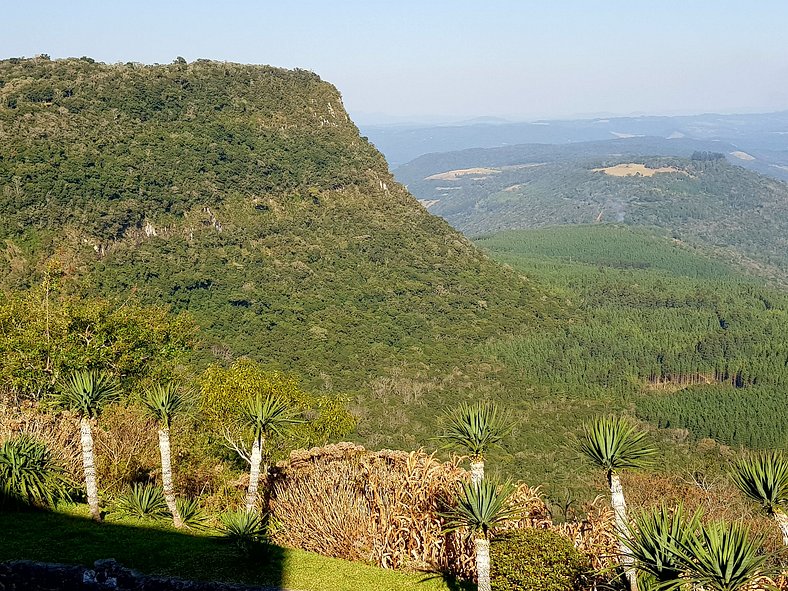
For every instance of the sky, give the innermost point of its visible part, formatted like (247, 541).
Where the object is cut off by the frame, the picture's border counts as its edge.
(445, 60)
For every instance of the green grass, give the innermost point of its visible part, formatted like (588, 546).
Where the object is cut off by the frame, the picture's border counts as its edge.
(68, 536)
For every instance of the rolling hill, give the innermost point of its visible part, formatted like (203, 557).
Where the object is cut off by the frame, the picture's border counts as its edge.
(691, 195)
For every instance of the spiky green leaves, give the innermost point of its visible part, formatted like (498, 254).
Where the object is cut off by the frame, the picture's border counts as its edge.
(480, 507)
(722, 557)
(651, 541)
(141, 501)
(163, 402)
(85, 393)
(29, 475)
(763, 478)
(242, 528)
(672, 549)
(267, 415)
(476, 428)
(614, 443)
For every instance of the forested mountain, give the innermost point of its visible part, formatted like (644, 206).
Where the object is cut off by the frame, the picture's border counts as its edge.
(696, 196)
(244, 195)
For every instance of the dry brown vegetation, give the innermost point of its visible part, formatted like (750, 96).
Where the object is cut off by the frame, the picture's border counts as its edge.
(451, 175)
(381, 507)
(634, 169)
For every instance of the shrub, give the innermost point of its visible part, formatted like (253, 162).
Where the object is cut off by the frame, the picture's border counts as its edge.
(191, 513)
(535, 560)
(142, 500)
(29, 476)
(243, 528)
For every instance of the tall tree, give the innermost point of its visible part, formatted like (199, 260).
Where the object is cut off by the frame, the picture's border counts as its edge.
(764, 479)
(614, 444)
(265, 416)
(85, 393)
(480, 507)
(163, 403)
(476, 428)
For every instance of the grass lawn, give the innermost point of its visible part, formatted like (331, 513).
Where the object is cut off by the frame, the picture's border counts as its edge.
(68, 536)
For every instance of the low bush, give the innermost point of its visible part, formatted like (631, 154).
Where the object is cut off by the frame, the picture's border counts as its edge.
(29, 476)
(536, 560)
(245, 529)
(141, 501)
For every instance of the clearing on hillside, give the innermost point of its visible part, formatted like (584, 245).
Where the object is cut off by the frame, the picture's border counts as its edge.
(451, 175)
(634, 169)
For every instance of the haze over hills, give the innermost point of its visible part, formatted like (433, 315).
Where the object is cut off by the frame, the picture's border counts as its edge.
(692, 195)
(763, 137)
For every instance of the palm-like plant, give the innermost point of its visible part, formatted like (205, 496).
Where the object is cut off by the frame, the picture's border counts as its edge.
(265, 416)
(29, 475)
(479, 508)
(85, 393)
(163, 403)
(476, 428)
(764, 479)
(614, 444)
(141, 501)
(651, 544)
(242, 528)
(721, 557)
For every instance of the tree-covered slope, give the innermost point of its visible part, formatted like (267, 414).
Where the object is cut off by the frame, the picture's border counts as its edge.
(244, 195)
(698, 198)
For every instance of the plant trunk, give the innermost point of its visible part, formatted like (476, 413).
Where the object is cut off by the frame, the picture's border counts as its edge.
(166, 476)
(254, 473)
(782, 521)
(483, 563)
(477, 471)
(89, 465)
(622, 527)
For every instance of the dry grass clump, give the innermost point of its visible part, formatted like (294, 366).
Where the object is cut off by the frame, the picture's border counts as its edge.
(380, 507)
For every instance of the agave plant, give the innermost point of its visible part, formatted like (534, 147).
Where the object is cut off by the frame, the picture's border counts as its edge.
(163, 403)
(242, 528)
(265, 415)
(722, 557)
(29, 475)
(614, 444)
(479, 508)
(764, 479)
(475, 429)
(141, 501)
(652, 543)
(191, 513)
(85, 393)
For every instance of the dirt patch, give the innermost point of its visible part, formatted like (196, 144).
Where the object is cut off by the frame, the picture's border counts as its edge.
(742, 155)
(633, 169)
(453, 175)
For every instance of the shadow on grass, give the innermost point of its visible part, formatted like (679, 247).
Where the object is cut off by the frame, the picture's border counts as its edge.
(452, 582)
(150, 547)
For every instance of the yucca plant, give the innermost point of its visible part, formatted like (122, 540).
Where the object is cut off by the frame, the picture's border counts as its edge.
(764, 479)
(614, 444)
(192, 513)
(721, 557)
(651, 544)
(85, 393)
(479, 508)
(475, 429)
(29, 475)
(163, 403)
(142, 501)
(242, 528)
(265, 416)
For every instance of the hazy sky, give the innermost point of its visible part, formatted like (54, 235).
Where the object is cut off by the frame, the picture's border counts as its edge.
(451, 58)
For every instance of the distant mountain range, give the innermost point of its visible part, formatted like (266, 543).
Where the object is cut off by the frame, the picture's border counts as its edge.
(763, 137)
